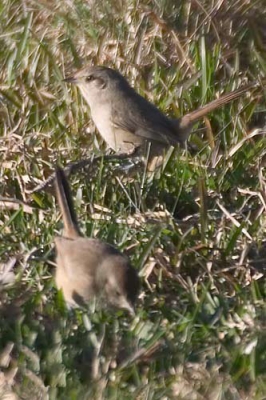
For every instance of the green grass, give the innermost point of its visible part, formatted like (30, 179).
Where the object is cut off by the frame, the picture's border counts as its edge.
(196, 233)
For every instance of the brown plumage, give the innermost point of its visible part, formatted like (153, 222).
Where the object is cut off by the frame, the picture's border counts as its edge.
(131, 124)
(90, 267)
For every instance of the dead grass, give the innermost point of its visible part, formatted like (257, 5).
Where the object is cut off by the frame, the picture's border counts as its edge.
(196, 233)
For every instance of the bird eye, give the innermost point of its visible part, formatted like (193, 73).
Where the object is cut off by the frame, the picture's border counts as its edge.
(89, 78)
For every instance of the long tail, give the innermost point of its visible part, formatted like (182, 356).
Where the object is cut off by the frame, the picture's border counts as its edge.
(186, 123)
(226, 98)
(64, 198)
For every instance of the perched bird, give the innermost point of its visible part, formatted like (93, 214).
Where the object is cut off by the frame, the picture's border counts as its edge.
(90, 267)
(131, 124)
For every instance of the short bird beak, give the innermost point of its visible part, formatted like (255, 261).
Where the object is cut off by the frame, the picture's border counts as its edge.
(70, 79)
(127, 306)
(131, 312)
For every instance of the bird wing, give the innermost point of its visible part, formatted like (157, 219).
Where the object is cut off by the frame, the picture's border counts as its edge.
(142, 118)
(82, 255)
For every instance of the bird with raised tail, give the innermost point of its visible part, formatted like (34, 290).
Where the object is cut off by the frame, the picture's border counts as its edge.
(131, 124)
(88, 268)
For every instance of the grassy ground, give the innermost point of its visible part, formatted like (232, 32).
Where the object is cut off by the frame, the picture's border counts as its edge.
(196, 233)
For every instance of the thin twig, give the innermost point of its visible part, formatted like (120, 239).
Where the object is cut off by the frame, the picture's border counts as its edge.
(73, 167)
